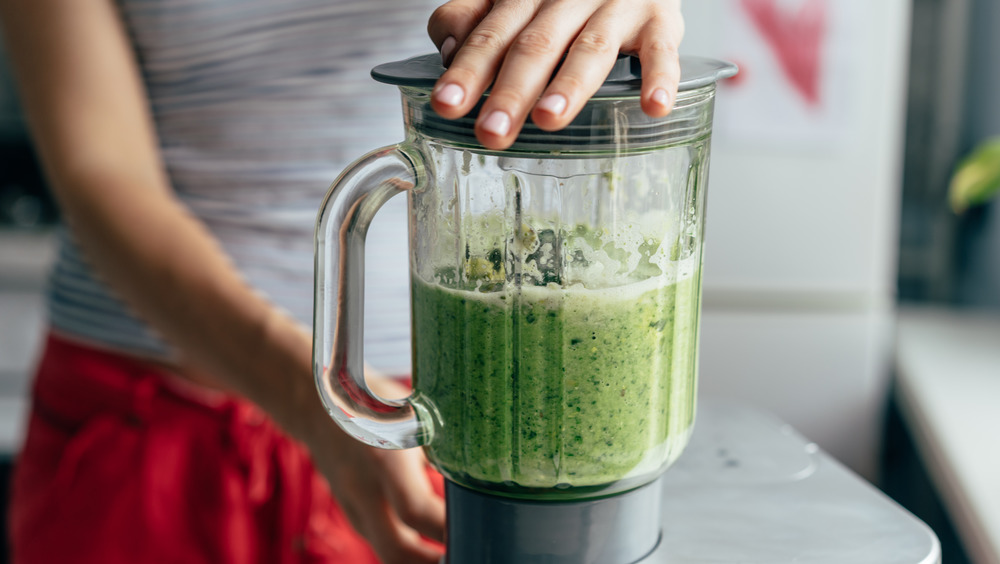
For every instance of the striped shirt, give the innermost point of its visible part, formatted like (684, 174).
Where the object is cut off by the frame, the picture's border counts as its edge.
(259, 104)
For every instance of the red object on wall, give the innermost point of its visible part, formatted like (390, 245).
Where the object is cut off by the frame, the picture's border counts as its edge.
(796, 39)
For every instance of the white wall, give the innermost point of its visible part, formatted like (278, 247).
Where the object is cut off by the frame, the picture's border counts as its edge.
(802, 227)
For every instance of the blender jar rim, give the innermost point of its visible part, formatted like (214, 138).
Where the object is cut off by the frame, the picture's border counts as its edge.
(612, 121)
(624, 80)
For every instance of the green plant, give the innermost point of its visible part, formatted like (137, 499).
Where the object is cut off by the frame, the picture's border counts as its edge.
(977, 177)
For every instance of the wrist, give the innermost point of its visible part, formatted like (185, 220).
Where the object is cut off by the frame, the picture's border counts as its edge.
(283, 385)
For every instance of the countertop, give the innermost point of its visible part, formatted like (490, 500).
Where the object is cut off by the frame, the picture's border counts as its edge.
(948, 370)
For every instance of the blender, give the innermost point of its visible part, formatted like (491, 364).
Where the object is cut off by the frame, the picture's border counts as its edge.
(555, 300)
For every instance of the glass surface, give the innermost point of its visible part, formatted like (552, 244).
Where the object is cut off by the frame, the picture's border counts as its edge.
(555, 307)
(555, 294)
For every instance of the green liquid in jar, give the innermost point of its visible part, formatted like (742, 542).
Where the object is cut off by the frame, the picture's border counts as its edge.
(555, 389)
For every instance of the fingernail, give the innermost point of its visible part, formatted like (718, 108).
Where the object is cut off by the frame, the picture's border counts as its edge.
(555, 104)
(450, 94)
(497, 123)
(660, 97)
(447, 47)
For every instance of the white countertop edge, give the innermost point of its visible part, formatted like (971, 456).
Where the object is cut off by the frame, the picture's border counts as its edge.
(955, 496)
(961, 497)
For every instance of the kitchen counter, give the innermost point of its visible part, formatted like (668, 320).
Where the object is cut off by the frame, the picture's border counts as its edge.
(948, 388)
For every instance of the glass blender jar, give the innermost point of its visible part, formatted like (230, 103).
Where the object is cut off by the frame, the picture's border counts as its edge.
(555, 297)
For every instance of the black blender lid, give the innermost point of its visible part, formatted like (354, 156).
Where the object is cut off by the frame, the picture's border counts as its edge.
(625, 78)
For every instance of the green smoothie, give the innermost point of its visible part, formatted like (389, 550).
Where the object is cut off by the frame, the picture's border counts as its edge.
(553, 388)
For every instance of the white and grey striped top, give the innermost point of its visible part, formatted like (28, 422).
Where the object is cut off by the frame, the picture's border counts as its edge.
(259, 104)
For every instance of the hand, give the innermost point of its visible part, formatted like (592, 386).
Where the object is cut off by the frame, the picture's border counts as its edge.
(520, 42)
(386, 494)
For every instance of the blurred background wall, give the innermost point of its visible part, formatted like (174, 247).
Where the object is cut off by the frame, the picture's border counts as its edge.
(832, 255)
(801, 244)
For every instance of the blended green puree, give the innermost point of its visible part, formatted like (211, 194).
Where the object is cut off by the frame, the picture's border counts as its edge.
(555, 387)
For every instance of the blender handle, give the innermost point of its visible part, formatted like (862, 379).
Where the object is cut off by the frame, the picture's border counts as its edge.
(338, 318)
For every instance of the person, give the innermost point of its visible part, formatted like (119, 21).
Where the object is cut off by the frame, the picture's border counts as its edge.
(189, 144)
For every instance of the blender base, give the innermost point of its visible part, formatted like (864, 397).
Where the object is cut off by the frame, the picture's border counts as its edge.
(485, 529)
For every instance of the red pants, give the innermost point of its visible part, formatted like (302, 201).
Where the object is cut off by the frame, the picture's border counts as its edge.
(122, 467)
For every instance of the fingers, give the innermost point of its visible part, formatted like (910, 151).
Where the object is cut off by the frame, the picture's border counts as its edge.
(395, 543)
(521, 47)
(473, 67)
(661, 68)
(382, 495)
(386, 495)
(411, 494)
(520, 42)
(588, 62)
(451, 23)
(406, 510)
(528, 67)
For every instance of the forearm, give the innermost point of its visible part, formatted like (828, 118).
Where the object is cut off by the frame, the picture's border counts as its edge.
(85, 102)
(170, 270)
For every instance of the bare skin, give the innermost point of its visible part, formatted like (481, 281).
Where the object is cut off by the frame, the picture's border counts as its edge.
(520, 42)
(86, 104)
